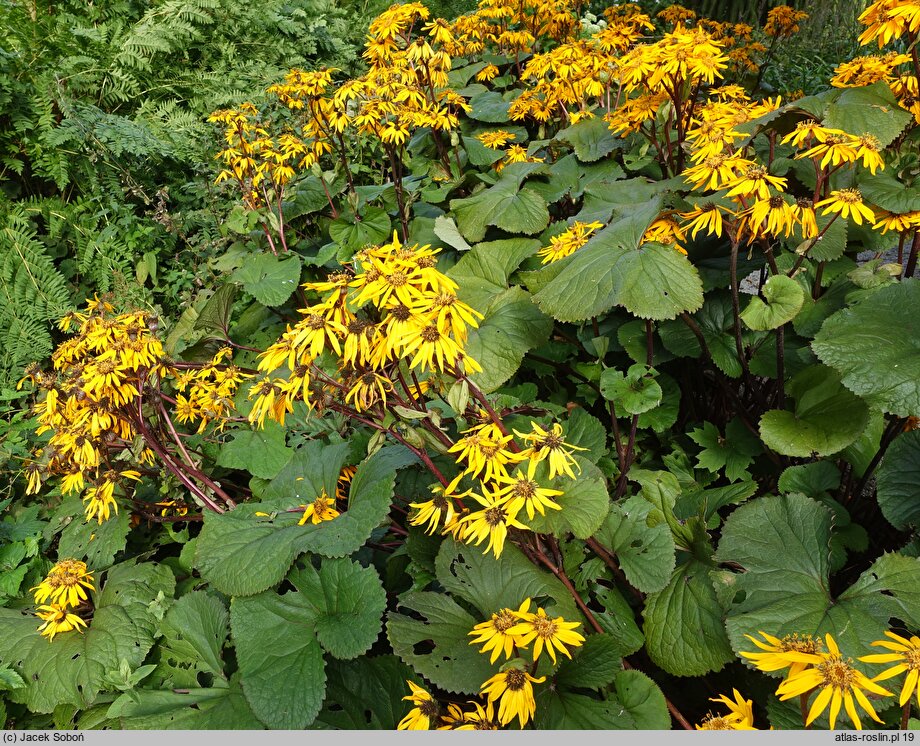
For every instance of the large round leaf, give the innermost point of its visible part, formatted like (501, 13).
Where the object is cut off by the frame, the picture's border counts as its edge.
(899, 481)
(782, 545)
(784, 297)
(826, 419)
(875, 346)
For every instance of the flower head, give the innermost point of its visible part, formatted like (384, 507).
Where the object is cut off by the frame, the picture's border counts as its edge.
(837, 682)
(553, 634)
(423, 714)
(513, 689)
(65, 584)
(496, 632)
(905, 654)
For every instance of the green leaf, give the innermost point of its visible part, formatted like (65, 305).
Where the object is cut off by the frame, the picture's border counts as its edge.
(347, 602)
(524, 212)
(591, 139)
(446, 229)
(651, 281)
(489, 106)
(263, 453)
(240, 553)
(784, 299)
(872, 109)
(270, 280)
(313, 469)
(663, 416)
(478, 154)
(218, 708)
(782, 546)
(195, 629)
(215, 316)
(97, 543)
(875, 346)
(354, 232)
(433, 638)
(483, 272)
(635, 703)
(280, 660)
(898, 481)
(491, 584)
(618, 620)
(646, 553)
(594, 665)
(826, 419)
(889, 193)
(513, 325)
(635, 392)
(366, 693)
(684, 633)
(586, 431)
(810, 479)
(72, 669)
(734, 453)
(584, 503)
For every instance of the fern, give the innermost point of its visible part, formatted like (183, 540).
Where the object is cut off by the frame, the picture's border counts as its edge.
(32, 293)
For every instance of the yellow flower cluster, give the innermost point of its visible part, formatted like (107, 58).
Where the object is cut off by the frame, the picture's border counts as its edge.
(395, 315)
(92, 403)
(63, 588)
(487, 454)
(886, 21)
(783, 21)
(569, 241)
(832, 675)
(509, 631)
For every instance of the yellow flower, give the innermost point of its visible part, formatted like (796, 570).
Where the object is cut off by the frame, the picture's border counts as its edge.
(846, 202)
(772, 215)
(707, 216)
(321, 509)
(57, 619)
(496, 633)
(839, 684)
(906, 655)
(783, 653)
(65, 583)
(369, 388)
(554, 634)
(740, 714)
(513, 689)
(496, 138)
(867, 148)
(549, 444)
(441, 504)
(479, 718)
(755, 180)
(522, 491)
(423, 714)
(568, 241)
(492, 522)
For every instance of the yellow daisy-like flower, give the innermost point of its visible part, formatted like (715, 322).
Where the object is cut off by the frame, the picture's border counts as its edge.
(491, 522)
(523, 491)
(867, 148)
(783, 653)
(479, 718)
(906, 657)
(431, 511)
(740, 714)
(708, 217)
(496, 633)
(57, 619)
(496, 139)
(838, 684)
(847, 202)
(423, 714)
(65, 584)
(321, 509)
(553, 634)
(513, 689)
(755, 180)
(550, 445)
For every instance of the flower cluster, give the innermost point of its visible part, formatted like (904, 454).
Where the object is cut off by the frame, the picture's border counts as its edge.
(64, 588)
(740, 715)
(507, 483)
(393, 317)
(508, 631)
(832, 676)
(93, 404)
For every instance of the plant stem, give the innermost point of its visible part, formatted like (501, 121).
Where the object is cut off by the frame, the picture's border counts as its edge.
(905, 716)
(803, 708)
